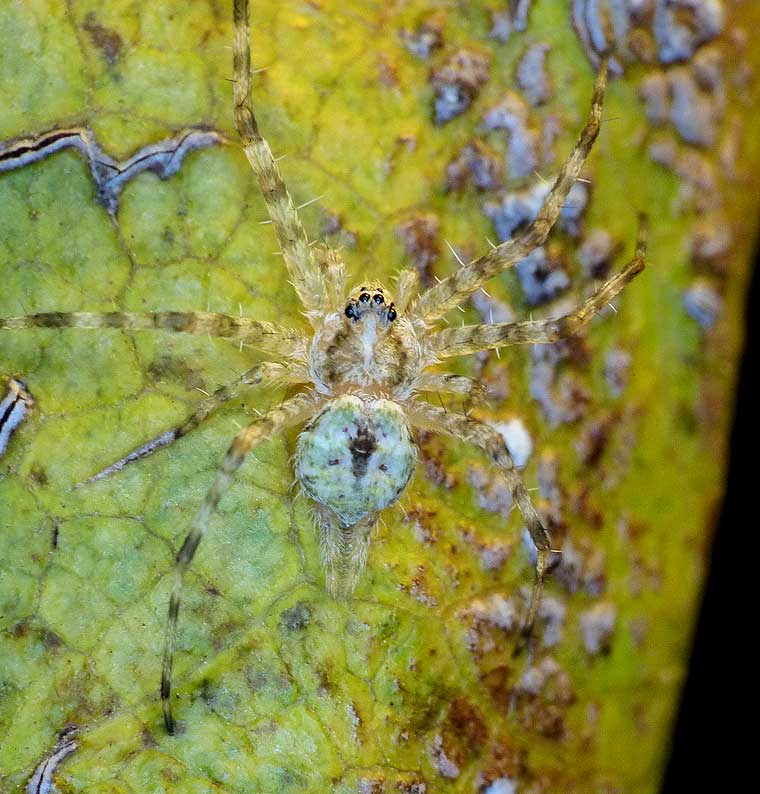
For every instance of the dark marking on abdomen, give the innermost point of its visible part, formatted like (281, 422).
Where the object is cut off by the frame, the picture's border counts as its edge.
(361, 449)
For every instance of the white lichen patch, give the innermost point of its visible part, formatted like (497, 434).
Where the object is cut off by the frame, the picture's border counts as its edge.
(502, 785)
(518, 440)
(598, 626)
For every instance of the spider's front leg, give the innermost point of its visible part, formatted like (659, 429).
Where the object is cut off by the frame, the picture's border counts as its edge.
(305, 272)
(464, 428)
(449, 383)
(298, 409)
(267, 337)
(473, 338)
(449, 293)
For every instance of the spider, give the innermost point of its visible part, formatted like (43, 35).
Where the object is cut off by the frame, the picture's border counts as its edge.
(362, 370)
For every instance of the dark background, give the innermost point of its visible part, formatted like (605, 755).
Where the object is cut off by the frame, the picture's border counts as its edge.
(717, 719)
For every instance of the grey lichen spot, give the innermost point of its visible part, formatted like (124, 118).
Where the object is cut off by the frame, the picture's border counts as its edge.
(680, 26)
(693, 112)
(515, 18)
(518, 208)
(694, 105)
(531, 74)
(163, 159)
(602, 26)
(596, 252)
(457, 82)
(703, 303)
(535, 677)
(542, 276)
(296, 618)
(445, 766)
(697, 173)
(562, 398)
(579, 567)
(645, 30)
(655, 91)
(511, 114)
(425, 39)
(477, 165)
(597, 627)
(551, 613)
(617, 364)
(421, 235)
(491, 492)
(491, 309)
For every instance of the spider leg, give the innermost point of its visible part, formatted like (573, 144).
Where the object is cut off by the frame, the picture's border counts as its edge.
(344, 550)
(407, 284)
(297, 409)
(429, 417)
(269, 372)
(335, 276)
(449, 293)
(448, 383)
(304, 271)
(472, 338)
(264, 336)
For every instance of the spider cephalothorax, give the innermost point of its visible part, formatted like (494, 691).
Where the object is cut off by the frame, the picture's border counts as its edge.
(361, 371)
(367, 344)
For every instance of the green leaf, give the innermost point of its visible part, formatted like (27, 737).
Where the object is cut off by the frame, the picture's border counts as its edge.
(411, 682)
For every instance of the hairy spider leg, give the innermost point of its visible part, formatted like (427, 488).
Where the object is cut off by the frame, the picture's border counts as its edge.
(448, 383)
(295, 410)
(407, 287)
(305, 272)
(473, 338)
(266, 373)
(267, 337)
(465, 428)
(451, 291)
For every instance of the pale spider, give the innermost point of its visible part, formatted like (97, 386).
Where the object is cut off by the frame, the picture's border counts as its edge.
(362, 370)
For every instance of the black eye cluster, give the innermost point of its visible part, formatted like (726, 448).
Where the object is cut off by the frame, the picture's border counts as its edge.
(364, 297)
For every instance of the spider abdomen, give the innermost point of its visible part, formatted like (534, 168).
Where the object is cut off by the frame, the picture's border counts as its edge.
(356, 457)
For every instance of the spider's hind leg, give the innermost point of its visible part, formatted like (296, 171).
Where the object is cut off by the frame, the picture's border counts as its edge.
(464, 428)
(298, 409)
(270, 372)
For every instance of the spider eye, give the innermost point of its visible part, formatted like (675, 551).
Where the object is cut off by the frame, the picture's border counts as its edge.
(392, 315)
(379, 299)
(351, 312)
(364, 297)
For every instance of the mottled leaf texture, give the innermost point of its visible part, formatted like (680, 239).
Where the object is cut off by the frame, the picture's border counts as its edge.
(418, 124)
